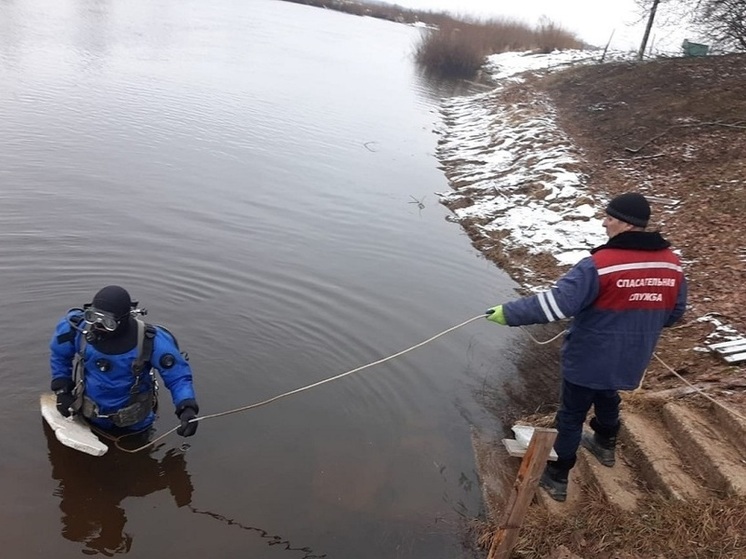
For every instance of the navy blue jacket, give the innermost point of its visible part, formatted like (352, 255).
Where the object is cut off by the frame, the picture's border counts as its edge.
(620, 298)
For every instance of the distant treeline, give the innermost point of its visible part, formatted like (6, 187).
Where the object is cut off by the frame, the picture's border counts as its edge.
(381, 11)
(457, 47)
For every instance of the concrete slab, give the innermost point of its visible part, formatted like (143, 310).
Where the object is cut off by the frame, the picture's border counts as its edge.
(617, 483)
(734, 428)
(713, 456)
(649, 448)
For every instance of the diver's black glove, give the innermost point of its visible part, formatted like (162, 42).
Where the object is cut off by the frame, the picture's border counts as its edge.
(187, 429)
(65, 401)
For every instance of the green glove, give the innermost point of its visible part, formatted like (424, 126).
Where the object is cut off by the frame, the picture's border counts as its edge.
(495, 314)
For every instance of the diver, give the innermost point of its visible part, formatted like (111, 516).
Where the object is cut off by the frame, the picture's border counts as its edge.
(102, 361)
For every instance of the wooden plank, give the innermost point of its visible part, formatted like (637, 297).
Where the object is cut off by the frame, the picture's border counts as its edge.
(731, 350)
(734, 358)
(662, 200)
(524, 488)
(724, 346)
(516, 449)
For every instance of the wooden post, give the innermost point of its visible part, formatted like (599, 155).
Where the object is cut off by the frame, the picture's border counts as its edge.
(651, 17)
(607, 45)
(526, 482)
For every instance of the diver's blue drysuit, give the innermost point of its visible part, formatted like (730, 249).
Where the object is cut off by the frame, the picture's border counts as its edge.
(108, 380)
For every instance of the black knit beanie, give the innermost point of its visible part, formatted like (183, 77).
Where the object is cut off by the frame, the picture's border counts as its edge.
(113, 299)
(631, 207)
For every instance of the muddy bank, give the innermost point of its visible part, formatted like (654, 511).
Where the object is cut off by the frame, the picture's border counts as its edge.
(530, 184)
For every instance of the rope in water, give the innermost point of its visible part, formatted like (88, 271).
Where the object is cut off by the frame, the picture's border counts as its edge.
(285, 394)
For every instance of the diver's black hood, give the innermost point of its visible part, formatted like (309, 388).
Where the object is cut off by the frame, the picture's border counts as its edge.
(113, 299)
(117, 301)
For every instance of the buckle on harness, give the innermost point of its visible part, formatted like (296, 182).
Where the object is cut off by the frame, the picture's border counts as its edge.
(125, 417)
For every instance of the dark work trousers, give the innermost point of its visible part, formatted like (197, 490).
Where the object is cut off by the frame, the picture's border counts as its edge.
(575, 402)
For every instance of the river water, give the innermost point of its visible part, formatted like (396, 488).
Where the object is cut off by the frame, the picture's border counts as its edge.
(248, 171)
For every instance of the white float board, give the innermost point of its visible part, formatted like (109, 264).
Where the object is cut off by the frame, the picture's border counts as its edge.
(70, 431)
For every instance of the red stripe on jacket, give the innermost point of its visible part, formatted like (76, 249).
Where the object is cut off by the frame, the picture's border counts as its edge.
(637, 280)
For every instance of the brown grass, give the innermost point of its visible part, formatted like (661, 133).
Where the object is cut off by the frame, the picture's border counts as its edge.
(457, 48)
(713, 528)
(660, 528)
(549, 37)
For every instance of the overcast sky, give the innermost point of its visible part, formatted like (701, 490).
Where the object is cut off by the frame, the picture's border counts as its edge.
(591, 20)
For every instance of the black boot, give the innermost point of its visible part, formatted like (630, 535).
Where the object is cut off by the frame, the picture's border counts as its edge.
(601, 448)
(601, 443)
(554, 480)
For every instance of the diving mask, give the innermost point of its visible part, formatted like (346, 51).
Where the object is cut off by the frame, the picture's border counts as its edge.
(104, 319)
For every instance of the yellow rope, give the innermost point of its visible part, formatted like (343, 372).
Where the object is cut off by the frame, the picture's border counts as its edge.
(290, 393)
(697, 389)
(546, 342)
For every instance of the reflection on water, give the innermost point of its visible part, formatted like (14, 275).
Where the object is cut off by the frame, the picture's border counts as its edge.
(437, 87)
(91, 490)
(271, 539)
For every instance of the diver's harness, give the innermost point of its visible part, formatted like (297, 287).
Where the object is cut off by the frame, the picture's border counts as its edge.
(140, 404)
